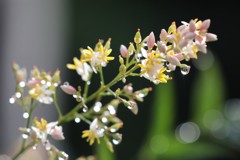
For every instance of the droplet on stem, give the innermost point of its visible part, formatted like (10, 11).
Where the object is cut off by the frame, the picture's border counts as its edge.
(25, 115)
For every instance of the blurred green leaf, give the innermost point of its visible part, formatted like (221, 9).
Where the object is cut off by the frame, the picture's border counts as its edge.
(161, 125)
(208, 93)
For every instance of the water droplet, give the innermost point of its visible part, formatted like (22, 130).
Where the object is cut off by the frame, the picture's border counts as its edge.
(63, 156)
(116, 141)
(117, 138)
(66, 83)
(141, 95)
(22, 84)
(49, 84)
(55, 84)
(113, 130)
(111, 109)
(88, 82)
(34, 147)
(77, 120)
(130, 107)
(85, 108)
(18, 94)
(24, 136)
(185, 70)
(43, 81)
(97, 106)
(12, 100)
(104, 120)
(47, 145)
(25, 115)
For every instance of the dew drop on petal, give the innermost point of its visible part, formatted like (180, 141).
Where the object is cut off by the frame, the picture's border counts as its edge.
(77, 120)
(185, 70)
(24, 136)
(25, 115)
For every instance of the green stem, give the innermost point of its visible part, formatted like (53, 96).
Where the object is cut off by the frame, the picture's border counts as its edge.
(84, 119)
(57, 105)
(87, 86)
(101, 76)
(23, 150)
(65, 118)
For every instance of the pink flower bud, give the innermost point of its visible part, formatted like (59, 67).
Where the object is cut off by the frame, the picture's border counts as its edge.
(161, 47)
(179, 56)
(151, 40)
(171, 67)
(124, 51)
(68, 89)
(201, 47)
(21, 75)
(190, 35)
(211, 37)
(192, 26)
(205, 24)
(163, 35)
(173, 60)
(57, 133)
(182, 43)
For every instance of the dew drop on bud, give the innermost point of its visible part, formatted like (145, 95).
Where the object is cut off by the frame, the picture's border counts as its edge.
(85, 109)
(24, 136)
(25, 115)
(116, 141)
(66, 83)
(104, 119)
(88, 82)
(185, 70)
(77, 120)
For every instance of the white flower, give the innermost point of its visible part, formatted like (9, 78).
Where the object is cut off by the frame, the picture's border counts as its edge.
(82, 68)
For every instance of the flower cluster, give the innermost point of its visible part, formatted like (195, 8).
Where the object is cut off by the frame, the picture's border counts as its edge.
(144, 57)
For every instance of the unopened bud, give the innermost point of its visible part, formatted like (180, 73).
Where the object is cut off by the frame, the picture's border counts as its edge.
(172, 28)
(57, 133)
(211, 37)
(107, 44)
(151, 40)
(124, 51)
(173, 60)
(131, 49)
(138, 37)
(68, 89)
(161, 47)
(163, 35)
(205, 24)
(116, 127)
(56, 76)
(192, 26)
(121, 61)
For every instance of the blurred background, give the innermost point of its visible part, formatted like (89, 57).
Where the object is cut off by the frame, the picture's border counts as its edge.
(192, 117)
